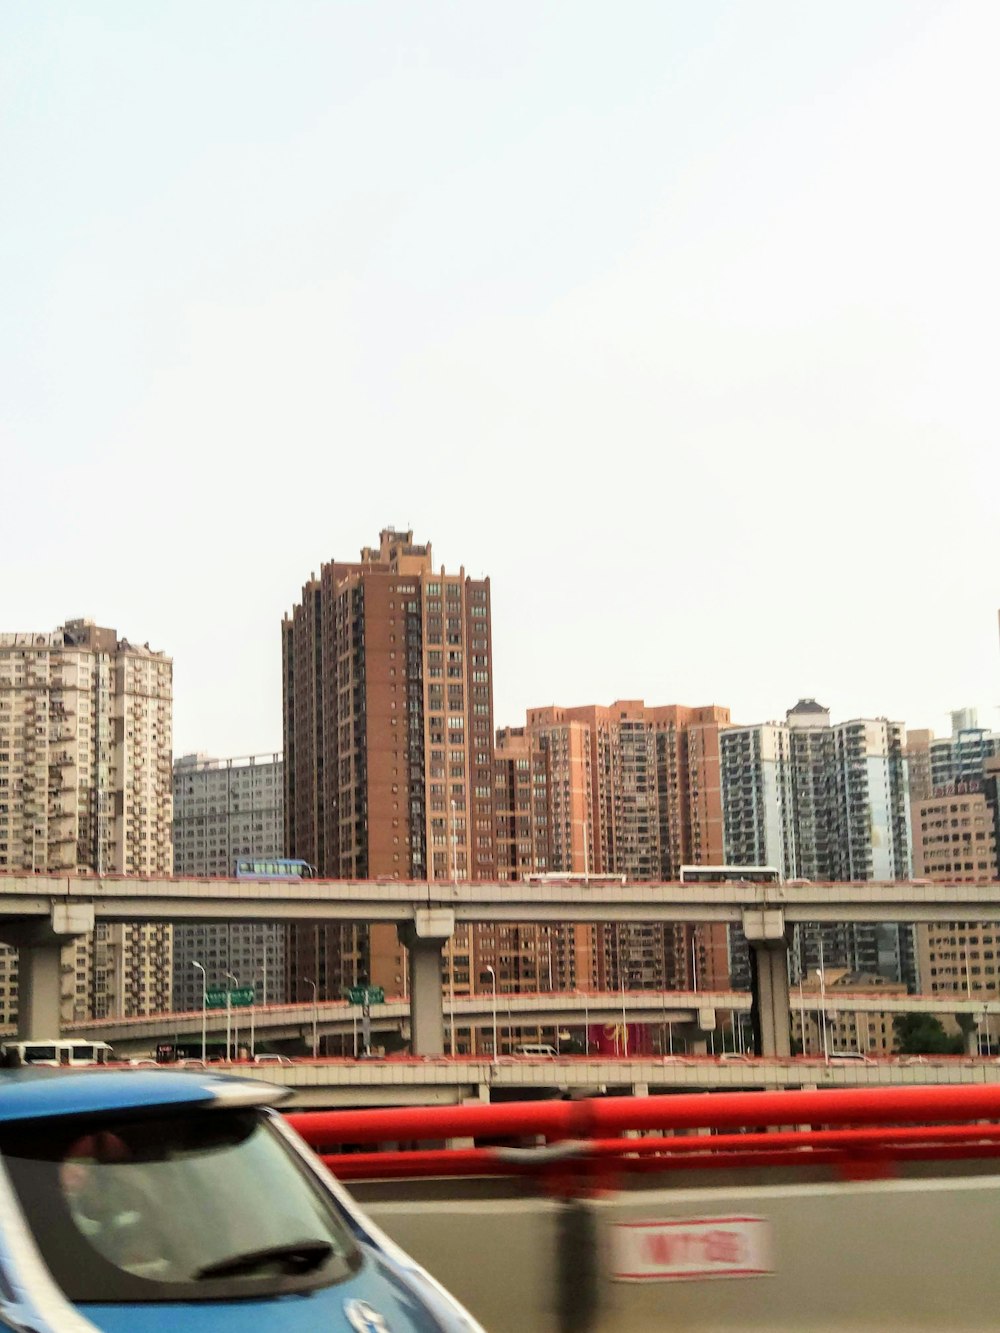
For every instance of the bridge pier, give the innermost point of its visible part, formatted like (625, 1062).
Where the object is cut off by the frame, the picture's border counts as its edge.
(770, 1013)
(39, 966)
(698, 1034)
(424, 938)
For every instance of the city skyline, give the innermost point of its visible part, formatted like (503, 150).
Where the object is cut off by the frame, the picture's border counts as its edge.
(939, 721)
(935, 719)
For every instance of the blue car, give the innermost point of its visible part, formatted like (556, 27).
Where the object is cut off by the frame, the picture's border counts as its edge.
(141, 1200)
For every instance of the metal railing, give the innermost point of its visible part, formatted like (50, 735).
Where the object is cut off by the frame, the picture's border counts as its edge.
(856, 1131)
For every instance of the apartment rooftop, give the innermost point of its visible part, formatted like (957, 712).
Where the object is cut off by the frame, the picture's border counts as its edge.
(80, 633)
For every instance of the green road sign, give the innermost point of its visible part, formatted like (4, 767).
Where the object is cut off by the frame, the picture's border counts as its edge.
(366, 995)
(216, 999)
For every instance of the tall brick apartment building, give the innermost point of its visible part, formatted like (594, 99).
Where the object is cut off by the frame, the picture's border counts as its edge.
(388, 742)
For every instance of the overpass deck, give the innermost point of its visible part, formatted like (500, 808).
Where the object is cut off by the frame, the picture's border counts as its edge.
(430, 1082)
(133, 898)
(545, 1009)
(38, 913)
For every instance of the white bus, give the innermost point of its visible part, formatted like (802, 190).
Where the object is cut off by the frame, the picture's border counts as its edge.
(730, 875)
(60, 1053)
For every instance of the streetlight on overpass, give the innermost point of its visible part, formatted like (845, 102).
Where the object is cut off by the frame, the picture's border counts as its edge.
(822, 1000)
(229, 1017)
(204, 1004)
(586, 1020)
(493, 978)
(309, 982)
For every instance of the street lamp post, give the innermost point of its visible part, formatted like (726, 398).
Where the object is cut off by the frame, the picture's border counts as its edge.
(315, 1016)
(548, 941)
(493, 978)
(586, 1020)
(253, 1004)
(204, 1004)
(822, 1000)
(451, 938)
(229, 1018)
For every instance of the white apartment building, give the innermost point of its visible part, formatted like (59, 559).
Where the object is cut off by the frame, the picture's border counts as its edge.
(85, 737)
(822, 802)
(874, 839)
(225, 809)
(757, 811)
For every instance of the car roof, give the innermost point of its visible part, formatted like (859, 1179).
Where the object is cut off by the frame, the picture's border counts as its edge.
(29, 1094)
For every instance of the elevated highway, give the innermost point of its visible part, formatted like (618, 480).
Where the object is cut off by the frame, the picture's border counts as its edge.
(696, 1010)
(404, 1081)
(31, 898)
(693, 1011)
(38, 913)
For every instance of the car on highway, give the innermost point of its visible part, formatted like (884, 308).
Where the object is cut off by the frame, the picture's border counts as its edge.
(131, 1200)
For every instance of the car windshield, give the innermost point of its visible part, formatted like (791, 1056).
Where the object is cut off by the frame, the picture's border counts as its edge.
(207, 1205)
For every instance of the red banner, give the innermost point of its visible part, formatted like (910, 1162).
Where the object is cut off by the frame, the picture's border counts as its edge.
(620, 1039)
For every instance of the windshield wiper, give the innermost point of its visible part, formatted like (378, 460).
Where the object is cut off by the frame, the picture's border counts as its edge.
(299, 1256)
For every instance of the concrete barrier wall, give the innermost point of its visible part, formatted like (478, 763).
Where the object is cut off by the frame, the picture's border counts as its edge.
(887, 1255)
(497, 1257)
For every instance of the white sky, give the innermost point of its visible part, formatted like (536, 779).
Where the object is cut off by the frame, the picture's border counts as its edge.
(679, 320)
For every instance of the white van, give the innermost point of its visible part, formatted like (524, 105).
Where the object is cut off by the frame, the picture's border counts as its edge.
(59, 1053)
(536, 1052)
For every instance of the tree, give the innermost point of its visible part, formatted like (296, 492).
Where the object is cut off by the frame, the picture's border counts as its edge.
(923, 1034)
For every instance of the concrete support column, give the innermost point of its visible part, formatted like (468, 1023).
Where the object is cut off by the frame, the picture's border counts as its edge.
(771, 1012)
(424, 940)
(971, 1041)
(698, 1034)
(39, 991)
(39, 947)
(479, 1098)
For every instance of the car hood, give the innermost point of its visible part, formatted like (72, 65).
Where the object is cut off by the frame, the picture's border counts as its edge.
(405, 1306)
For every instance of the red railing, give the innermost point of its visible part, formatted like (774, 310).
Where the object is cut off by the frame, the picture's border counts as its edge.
(858, 1131)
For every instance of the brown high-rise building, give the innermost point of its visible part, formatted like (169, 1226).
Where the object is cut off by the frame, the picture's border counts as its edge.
(534, 799)
(522, 798)
(689, 785)
(691, 824)
(918, 765)
(636, 791)
(956, 833)
(388, 736)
